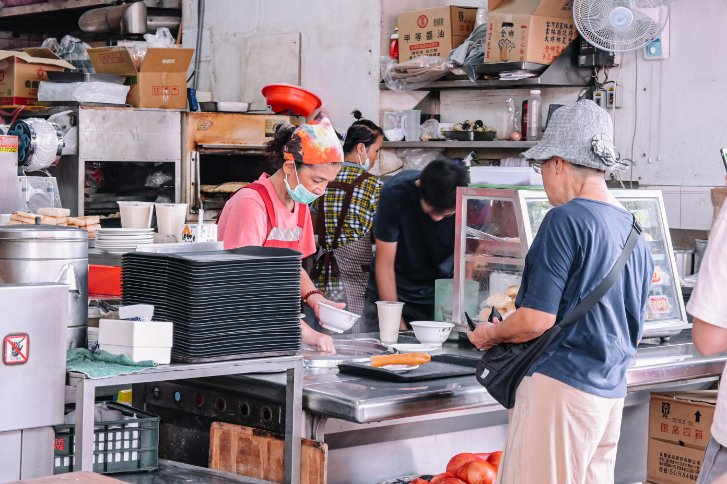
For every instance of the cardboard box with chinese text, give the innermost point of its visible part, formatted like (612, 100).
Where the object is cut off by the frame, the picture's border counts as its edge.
(679, 430)
(160, 83)
(434, 31)
(22, 72)
(528, 30)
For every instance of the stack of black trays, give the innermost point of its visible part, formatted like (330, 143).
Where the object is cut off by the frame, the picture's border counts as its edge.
(232, 304)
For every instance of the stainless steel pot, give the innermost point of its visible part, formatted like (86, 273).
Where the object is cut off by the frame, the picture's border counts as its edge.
(701, 245)
(685, 261)
(48, 253)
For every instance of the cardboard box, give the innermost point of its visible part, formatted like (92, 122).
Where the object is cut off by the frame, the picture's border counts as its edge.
(434, 31)
(528, 30)
(679, 430)
(160, 83)
(21, 73)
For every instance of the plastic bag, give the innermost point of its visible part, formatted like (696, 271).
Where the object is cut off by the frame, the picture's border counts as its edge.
(157, 179)
(51, 43)
(83, 92)
(73, 50)
(418, 158)
(471, 52)
(414, 73)
(162, 39)
(430, 130)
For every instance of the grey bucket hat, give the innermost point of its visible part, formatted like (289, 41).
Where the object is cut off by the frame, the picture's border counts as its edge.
(582, 134)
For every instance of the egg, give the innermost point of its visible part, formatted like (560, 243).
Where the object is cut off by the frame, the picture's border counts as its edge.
(516, 136)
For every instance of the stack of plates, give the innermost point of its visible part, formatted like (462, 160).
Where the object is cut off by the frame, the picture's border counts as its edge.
(120, 241)
(238, 303)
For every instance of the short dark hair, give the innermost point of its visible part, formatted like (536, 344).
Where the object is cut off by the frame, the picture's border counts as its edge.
(439, 182)
(361, 131)
(275, 148)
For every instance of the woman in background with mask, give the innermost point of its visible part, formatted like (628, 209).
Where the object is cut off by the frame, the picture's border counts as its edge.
(273, 211)
(346, 215)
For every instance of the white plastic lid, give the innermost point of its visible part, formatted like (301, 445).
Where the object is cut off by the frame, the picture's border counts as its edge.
(535, 91)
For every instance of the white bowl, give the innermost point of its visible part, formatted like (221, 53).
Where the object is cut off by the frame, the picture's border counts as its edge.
(431, 332)
(336, 319)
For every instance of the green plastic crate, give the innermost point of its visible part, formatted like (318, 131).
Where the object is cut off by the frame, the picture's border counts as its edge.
(119, 446)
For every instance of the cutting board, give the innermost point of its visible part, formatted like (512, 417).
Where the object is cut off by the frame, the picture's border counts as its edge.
(441, 366)
(258, 453)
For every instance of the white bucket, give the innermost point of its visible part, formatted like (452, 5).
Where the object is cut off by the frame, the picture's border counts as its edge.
(136, 215)
(170, 221)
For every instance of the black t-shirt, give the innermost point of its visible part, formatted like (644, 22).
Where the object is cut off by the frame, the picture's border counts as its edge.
(425, 250)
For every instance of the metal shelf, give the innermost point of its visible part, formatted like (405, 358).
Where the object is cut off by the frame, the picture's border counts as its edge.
(58, 6)
(514, 145)
(563, 72)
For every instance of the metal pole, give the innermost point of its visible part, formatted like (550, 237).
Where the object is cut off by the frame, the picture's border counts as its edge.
(293, 422)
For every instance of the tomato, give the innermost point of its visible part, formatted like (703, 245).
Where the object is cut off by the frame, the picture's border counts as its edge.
(440, 478)
(459, 460)
(495, 458)
(419, 480)
(477, 472)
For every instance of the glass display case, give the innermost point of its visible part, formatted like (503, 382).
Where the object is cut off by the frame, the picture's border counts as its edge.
(496, 227)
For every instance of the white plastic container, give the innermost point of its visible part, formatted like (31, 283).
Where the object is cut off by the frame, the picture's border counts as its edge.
(140, 340)
(431, 332)
(535, 113)
(170, 221)
(136, 215)
(389, 319)
(336, 319)
(505, 175)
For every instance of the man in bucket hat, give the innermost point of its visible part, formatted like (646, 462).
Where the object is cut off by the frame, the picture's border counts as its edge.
(566, 421)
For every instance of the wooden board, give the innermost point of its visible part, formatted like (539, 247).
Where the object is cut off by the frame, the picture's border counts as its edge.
(258, 453)
(268, 59)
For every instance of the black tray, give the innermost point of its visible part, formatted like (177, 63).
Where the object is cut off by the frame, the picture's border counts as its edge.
(441, 366)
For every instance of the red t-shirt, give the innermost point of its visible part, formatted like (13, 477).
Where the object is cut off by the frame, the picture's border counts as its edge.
(245, 222)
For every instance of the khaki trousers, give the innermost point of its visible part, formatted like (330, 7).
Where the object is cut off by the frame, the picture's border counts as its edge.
(560, 435)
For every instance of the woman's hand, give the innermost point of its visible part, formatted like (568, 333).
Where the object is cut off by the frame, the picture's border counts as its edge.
(316, 299)
(323, 343)
(482, 336)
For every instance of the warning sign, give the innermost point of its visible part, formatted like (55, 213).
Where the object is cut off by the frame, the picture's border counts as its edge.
(16, 349)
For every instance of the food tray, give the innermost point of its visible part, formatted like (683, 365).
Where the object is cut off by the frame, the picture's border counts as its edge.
(484, 135)
(127, 445)
(441, 366)
(459, 135)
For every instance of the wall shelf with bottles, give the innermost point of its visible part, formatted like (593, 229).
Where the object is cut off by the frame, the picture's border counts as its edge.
(514, 145)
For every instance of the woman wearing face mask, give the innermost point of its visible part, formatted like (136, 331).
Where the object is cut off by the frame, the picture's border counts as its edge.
(273, 211)
(346, 215)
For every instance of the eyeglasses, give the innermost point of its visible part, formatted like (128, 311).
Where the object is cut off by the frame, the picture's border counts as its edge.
(538, 166)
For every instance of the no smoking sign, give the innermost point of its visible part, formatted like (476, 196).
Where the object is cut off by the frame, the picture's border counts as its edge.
(16, 349)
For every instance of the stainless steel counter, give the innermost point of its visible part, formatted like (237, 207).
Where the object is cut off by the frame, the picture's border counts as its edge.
(361, 400)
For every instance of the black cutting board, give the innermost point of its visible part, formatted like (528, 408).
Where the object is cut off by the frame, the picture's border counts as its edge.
(441, 366)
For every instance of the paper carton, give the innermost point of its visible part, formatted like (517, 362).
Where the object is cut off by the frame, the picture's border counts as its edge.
(434, 31)
(528, 30)
(679, 430)
(160, 83)
(21, 73)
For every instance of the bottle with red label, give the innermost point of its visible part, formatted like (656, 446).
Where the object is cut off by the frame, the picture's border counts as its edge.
(394, 45)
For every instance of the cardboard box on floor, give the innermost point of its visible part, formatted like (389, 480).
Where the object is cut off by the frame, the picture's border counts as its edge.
(434, 31)
(679, 430)
(528, 30)
(21, 73)
(160, 83)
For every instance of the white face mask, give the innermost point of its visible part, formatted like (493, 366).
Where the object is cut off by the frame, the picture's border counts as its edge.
(366, 164)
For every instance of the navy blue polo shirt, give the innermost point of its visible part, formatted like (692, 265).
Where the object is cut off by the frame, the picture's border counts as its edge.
(425, 248)
(576, 246)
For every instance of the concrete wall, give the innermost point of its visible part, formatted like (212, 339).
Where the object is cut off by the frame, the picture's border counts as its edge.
(339, 49)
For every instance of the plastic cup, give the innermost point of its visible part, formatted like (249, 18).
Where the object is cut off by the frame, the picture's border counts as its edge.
(389, 320)
(170, 220)
(504, 126)
(5, 218)
(136, 215)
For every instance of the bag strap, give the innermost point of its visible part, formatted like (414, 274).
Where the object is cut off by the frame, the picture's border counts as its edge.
(589, 301)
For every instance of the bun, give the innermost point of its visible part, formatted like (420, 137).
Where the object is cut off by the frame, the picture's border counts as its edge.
(499, 301)
(357, 114)
(512, 291)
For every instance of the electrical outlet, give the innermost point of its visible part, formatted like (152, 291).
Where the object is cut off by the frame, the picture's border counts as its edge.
(613, 96)
(599, 97)
(658, 49)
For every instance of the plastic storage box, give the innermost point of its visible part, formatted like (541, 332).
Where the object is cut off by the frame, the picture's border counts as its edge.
(140, 340)
(504, 175)
(127, 445)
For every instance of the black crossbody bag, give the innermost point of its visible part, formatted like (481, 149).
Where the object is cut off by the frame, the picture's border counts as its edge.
(504, 366)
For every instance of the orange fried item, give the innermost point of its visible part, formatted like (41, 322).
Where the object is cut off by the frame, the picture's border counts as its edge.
(400, 359)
